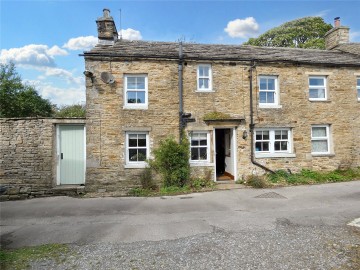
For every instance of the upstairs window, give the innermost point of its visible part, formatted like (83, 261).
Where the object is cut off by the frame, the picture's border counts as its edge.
(317, 88)
(358, 88)
(204, 77)
(268, 91)
(136, 91)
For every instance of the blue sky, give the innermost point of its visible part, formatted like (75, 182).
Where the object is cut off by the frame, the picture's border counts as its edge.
(44, 38)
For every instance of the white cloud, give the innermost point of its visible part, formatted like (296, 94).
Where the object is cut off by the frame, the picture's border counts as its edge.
(58, 95)
(33, 55)
(130, 34)
(354, 36)
(322, 13)
(242, 28)
(81, 43)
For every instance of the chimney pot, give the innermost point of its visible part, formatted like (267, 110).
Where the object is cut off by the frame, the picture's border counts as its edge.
(337, 21)
(106, 13)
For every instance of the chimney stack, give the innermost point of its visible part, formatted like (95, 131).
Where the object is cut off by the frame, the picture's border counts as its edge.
(337, 22)
(107, 33)
(337, 35)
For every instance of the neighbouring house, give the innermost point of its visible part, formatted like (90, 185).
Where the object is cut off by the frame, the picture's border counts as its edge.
(246, 110)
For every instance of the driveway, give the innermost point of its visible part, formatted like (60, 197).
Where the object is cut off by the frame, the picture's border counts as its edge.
(301, 227)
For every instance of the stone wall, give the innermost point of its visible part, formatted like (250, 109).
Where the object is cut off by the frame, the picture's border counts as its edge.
(108, 120)
(28, 155)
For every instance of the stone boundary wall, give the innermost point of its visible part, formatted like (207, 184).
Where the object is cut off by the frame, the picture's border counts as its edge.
(28, 156)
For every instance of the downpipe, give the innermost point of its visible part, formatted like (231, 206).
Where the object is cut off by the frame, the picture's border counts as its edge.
(252, 125)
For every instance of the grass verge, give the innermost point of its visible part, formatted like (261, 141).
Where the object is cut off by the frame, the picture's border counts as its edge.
(195, 185)
(17, 259)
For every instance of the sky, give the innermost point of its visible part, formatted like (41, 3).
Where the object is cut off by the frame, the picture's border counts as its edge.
(44, 38)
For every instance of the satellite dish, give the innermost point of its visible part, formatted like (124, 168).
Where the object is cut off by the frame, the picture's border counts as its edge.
(107, 77)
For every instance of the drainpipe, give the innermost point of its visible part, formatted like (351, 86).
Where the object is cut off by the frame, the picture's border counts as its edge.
(181, 106)
(252, 125)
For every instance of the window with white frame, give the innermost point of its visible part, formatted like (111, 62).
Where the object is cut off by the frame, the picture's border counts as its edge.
(136, 91)
(273, 141)
(204, 77)
(320, 139)
(317, 88)
(268, 91)
(199, 147)
(137, 148)
(358, 87)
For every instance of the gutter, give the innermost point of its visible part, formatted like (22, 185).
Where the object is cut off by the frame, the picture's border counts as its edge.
(252, 125)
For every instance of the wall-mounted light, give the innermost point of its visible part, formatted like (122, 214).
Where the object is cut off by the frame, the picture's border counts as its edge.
(245, 134)
(90, 75)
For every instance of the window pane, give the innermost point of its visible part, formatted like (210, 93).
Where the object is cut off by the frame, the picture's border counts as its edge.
(319, 132)
(203, 142)
(270, 97)
(262, 146)
(141, 155)
(194, 142)
(140, 98)
(277, 134)
(262, 97)
(284, 146)
(132, 154)
(131, 83)
(204, 83)
(358, 93)
(142, 140)
(203, 154)
(194, 154)
(316, 81)
(271, 84)
(258, 135)
(204, 71)
(358, 82)
(317, 93)
(132, 140)
(131, 97)
(263, 84)
(265, 135)
(140, 82)
(319, 146)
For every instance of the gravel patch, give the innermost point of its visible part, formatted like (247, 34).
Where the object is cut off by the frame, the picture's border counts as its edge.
(286, 247)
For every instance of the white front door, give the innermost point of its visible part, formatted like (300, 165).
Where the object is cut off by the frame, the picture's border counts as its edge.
(71, 154)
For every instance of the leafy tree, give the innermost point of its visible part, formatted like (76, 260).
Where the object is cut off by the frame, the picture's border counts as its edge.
(18, 99)
(307, 33)
(76, 110)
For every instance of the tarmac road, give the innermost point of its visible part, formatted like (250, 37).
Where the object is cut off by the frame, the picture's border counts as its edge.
(302, 227)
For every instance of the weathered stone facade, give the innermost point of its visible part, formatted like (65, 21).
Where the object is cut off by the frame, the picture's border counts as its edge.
(172, 72)
(28, 155)
(108, 121)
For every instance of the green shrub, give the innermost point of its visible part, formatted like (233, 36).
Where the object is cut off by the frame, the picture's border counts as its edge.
(278, 176)
(171, 160)
(146, 179)
(256, 181)
(199, 183)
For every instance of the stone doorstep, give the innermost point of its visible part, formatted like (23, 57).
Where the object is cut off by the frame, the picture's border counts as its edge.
(68, 190)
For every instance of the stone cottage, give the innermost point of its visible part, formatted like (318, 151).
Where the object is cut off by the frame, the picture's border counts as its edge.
(245, 109)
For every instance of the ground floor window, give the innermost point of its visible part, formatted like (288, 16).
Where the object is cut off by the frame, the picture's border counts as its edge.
(320, 139)
(137, 148)
(273, 141)
(199, 147)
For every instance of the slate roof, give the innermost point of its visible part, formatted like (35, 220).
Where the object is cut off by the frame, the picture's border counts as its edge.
(353, 48)
(194, 51)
